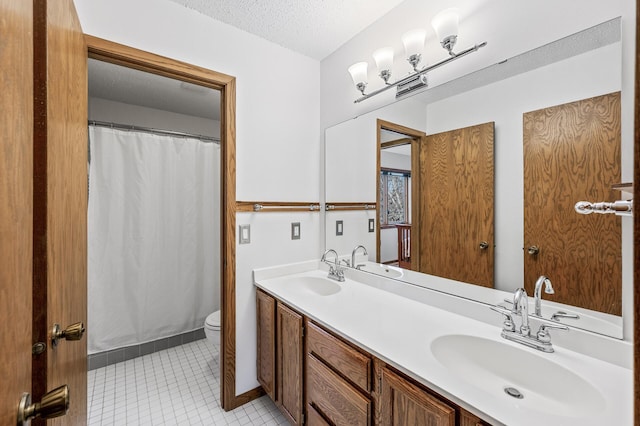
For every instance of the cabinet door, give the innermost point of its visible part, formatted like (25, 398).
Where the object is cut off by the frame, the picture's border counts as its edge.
(290, 362)
(404, 404)
(468, 419)
(266, 314)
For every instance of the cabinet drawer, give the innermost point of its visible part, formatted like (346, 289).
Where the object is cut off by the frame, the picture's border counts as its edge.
(314, 418)
(334, 397)
(349, 362)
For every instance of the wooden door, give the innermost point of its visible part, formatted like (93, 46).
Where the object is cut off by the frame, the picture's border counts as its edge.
(290, 352)
(266, 331)
(453, 229)
(571, 154)
(60, 201)
(402, 403)
(16, 201)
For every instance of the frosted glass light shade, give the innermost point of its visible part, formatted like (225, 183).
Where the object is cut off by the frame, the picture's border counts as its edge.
(358, 73)
(414, 42)
(446, 24)
(384, 59)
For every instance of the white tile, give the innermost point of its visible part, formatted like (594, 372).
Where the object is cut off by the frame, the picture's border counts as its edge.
(178, 386)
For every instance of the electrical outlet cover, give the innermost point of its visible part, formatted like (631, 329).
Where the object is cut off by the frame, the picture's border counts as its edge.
(245, 234)
(295, 230)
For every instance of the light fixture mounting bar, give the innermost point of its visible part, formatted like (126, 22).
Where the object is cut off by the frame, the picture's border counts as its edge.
(423, 71)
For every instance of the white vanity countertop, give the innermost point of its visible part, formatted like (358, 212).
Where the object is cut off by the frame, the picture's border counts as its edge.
(400, 331)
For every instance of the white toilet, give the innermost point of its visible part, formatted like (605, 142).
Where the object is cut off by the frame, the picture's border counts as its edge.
(212, 328)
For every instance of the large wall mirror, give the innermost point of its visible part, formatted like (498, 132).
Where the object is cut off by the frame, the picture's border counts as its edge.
(583, 66)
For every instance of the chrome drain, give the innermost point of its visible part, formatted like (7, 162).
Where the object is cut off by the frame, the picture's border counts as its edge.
(513, 392)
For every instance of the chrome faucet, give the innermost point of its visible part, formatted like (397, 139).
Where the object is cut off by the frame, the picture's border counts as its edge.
(537, 293)
(353, 256)
(542, 340)
(337, 272)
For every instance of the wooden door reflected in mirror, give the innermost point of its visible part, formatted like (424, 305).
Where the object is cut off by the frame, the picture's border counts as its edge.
(572, 153)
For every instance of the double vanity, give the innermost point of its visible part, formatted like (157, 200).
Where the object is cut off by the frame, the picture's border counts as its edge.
(372, 350)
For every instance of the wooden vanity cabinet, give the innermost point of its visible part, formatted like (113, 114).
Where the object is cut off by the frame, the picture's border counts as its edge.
(338, 379)
(307, 369)
(281, 355)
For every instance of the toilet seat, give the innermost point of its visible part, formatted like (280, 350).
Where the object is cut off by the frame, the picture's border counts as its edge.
(213, 321)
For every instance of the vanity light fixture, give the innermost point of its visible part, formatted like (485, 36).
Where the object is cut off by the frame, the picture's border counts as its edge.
(384, 62)
(413, 42)
(358, 73)
(445, 24)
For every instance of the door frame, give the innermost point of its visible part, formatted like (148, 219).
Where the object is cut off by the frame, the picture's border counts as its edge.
(416, 136)
(119, 54)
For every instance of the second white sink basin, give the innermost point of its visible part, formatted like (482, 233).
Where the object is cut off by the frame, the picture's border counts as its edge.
(313, 285)
(520, 376)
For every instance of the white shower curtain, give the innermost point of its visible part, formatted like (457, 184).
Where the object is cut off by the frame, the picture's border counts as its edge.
(154, 229)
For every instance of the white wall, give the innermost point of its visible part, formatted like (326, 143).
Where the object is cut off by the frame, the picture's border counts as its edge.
(355, 231)
(121, 113)
(277, 126)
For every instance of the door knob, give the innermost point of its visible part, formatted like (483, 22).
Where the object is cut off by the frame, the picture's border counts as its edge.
(484, 245)
(54, 403)
(533, 250)
(72, 332)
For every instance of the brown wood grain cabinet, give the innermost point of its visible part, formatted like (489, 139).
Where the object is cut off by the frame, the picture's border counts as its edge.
(280, 358)
(404, 403)
(334, 398)
(314, 418)
(289, 362)
(349, 362)
(318, 378)
(266, 331)
(468, 419)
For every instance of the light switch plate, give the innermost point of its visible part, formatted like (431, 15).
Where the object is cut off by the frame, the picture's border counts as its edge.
(339, 227)
(295, 230)
(372, 225)
(245, 234)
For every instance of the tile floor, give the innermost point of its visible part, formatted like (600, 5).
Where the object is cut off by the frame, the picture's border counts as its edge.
(177, 386)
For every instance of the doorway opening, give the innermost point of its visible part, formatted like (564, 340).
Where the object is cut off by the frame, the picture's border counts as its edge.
(114, 53)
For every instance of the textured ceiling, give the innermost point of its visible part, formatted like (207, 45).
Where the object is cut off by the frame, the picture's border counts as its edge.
(315, 28)
(130, 86)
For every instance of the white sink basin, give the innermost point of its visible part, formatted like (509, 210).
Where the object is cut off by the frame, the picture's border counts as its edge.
(313, 285)
(496, 367)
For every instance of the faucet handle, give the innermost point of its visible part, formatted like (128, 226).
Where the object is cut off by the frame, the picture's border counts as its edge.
(508, 323)
(543, 331)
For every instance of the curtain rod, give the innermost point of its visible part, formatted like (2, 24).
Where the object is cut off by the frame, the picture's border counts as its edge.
(156, 131)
